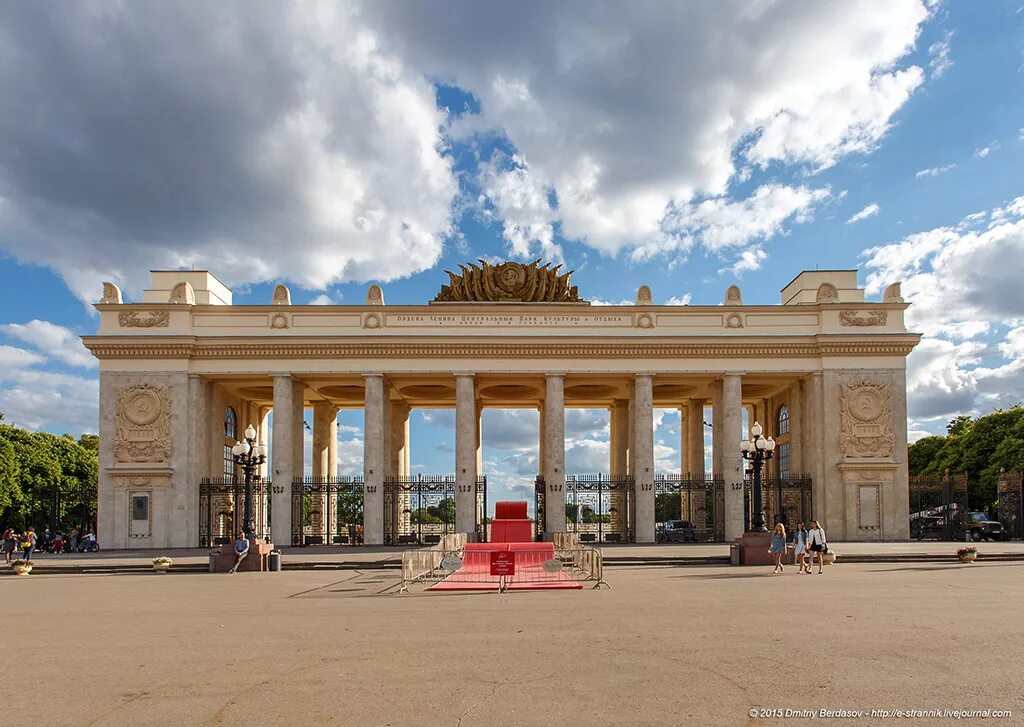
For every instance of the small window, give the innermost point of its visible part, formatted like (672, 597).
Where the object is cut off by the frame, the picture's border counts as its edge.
(230, 424)
(229, 464)
(783, 427)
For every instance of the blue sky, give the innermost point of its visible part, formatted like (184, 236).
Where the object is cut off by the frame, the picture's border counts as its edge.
(687, 148)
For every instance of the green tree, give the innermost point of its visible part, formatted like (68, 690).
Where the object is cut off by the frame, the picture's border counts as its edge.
(668, 506)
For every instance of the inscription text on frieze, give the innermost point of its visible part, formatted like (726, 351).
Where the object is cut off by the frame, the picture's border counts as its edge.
(511, 321)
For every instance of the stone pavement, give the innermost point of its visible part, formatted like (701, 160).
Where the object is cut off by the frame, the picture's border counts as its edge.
(699, 646)
(674, 554)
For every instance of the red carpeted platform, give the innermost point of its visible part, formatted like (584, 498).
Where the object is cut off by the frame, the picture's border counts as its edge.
(475, 573)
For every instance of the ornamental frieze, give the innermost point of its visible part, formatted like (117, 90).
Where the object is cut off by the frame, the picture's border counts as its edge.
(143, 319)
(866, 414)
(508, 282)
(143, 422)
(853, 318)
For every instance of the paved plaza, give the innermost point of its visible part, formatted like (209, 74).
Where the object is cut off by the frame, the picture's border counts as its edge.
(667, 645)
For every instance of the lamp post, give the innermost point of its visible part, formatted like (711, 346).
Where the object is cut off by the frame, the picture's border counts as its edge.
(757, 450)
(249, 456)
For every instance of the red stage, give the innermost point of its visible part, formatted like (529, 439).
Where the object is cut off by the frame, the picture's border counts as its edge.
(523, 561)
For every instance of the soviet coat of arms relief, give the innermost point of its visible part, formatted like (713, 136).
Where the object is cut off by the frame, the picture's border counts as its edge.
(143, 420)
(866, 420)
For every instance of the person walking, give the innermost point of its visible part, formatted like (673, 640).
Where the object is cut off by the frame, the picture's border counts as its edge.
(28, 543)
(241, 550)
(800, 548)
(778, 546)
(10, 544)
(817, 545)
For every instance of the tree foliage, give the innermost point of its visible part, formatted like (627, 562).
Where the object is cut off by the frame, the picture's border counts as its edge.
(46, 478)
(978, 448)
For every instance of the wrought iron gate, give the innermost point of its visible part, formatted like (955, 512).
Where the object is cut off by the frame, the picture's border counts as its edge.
(694, 505)
(598, 508)
(327, 511)
(938, 507)
(1011, 504)
(222, 509)
(421, 509)
(786, 500)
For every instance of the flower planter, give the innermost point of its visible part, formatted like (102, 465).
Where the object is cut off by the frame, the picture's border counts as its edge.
(161, 568)
(828, 558)
(21, 570)
(968, 557)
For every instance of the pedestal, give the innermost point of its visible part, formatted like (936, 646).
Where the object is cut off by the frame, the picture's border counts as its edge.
(259, 552)
(754, 549)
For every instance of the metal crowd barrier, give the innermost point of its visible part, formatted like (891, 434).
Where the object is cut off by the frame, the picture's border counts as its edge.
(535, 566)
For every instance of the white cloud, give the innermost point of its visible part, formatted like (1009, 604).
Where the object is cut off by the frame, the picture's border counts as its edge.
(748, 261)
(986, 150)
(57, 342)
(680, 300)
(938, 53)
(37, 399)
(324, 299)
(870, 211)
(220, 135)
(632, 111)
(964, 296)
(521, 202)
(934, 171)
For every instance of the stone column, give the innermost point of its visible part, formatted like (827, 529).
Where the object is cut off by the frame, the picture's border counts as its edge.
(695, 437)
(554, 451)
(325, 464)
(541, 454)
(619, 446)
(466, 424)
(282, 454)
(732, 460)
(717, 429)
(631, 434)
(684, 430)
(373, 459)
(199, 442)
(643, 465)
(397, 443)
(619, 437)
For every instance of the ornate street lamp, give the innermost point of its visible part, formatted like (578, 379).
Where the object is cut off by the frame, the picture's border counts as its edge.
(757, 450)
(249, 456)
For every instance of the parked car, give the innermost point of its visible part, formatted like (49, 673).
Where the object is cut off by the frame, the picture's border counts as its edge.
(981, 528)
(680, 531)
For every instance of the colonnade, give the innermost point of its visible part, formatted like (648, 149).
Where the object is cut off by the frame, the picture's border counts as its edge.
(386, 449)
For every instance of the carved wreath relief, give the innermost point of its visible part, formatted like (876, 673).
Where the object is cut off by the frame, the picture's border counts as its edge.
(852, 318)
(146, 319)
(866, 420)
(143, 424)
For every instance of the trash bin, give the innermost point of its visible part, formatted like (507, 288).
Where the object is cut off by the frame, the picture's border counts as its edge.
(213, 561)
(274, 560)
(734, 554)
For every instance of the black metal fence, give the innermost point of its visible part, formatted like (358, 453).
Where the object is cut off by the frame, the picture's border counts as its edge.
(938, 507)
(786, 500)
(599, 508)
(327, 511)
(1011, 504)
(689, 508)
(421, 509)
(222, 509)
(62, 509)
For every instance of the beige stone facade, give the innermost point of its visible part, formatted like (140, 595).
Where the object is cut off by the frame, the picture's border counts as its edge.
(172, 365)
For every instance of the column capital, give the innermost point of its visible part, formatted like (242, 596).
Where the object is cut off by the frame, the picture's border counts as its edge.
(464, 374)
(372, 375)
(644, 374)
(554, 374)
(733, 373)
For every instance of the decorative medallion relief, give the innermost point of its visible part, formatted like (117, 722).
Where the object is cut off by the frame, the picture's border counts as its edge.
(866, 420)
(854, 318)
(734, 320)
(143, 319)
(143, 424)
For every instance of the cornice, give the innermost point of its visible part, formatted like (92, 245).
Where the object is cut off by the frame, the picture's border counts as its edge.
(108, 347)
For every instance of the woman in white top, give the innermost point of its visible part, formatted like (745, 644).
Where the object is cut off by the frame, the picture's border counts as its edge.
(816, 544)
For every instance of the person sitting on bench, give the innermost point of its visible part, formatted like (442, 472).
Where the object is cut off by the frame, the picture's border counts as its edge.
(241, 550)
